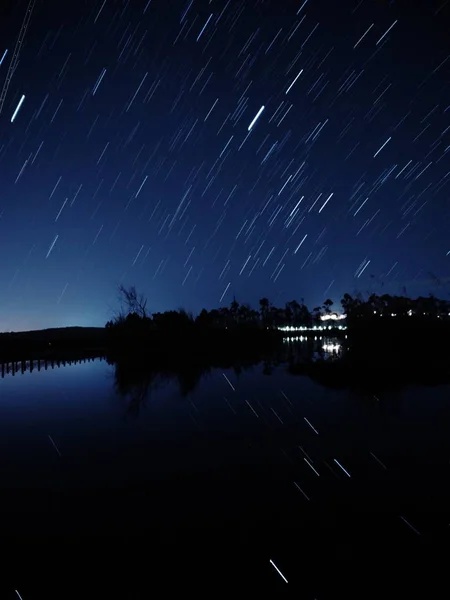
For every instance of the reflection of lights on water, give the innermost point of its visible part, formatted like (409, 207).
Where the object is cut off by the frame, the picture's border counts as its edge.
(298, 338)
(332, 347)
(326, 346)
(315, 328)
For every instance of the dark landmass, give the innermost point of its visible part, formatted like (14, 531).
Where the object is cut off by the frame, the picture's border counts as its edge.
(387, 341)
(48, 343)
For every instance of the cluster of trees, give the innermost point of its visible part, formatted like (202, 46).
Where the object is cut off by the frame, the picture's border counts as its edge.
(295, 314)
(292, 314)
(134, 313)
(429, 307)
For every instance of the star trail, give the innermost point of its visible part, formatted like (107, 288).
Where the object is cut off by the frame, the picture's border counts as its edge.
(203, 149)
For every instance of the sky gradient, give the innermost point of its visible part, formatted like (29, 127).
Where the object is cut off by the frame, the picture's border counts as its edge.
(136, 156)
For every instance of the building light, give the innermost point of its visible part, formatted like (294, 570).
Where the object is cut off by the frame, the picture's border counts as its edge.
(333, 316)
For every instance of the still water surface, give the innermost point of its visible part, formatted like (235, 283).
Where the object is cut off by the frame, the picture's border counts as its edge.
(275, 465)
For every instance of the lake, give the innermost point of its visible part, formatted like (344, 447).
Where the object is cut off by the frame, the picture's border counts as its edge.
(256, 478)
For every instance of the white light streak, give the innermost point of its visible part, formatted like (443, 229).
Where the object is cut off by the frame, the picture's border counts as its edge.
(364, 268)
(17, 109)
(310, 465)
(378, 460)
(229, 382)
(211, 109)
(226, 146)
(252, 409)
(61, 209)
(360, 207)
(325, 203)
(136, 93)
(380, 149)
(409, 525)
(258, 114)
(226, 290)
(138, 254)
(278, 571)
(300, 490)
(99, 81)
(301, 7)
(101, 8)
(301, 71)
(287, 181)
(363, 36)
(386, 32)
(51, 247)
(313, 428)
(296, 206)
(407, 165)
(339, 465)
(304, 238)
(142, 185)
(204, 27)
(54, 445)
(187, 275)
(245, 264)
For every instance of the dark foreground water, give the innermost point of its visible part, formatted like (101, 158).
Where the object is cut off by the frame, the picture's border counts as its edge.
(252, 483)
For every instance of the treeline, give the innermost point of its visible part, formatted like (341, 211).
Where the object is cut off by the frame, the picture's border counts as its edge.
(423, 308)
(134, 315)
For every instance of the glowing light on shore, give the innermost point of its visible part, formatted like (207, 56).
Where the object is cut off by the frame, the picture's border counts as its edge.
(333, 317)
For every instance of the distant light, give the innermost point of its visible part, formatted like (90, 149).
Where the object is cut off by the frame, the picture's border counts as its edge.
(334, 317)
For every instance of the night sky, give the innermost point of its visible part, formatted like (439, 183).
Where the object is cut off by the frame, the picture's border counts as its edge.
(201, 149)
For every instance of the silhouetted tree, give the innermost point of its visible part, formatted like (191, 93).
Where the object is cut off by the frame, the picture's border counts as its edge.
(173, 321)
(233, 310)
(134, 302)
(327, 306)
(264, 306)
(317, 315)
(289, 313)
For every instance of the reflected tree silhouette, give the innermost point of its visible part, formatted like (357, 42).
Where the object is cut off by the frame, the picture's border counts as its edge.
(136, 376)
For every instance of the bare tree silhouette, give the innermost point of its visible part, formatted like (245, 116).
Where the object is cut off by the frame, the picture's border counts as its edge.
(134, 302)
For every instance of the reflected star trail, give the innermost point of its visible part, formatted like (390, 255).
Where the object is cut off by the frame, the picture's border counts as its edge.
(202, 149)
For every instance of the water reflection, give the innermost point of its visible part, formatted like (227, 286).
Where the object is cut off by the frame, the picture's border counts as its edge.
(219, 441)
(23, 366)
(331, 362)
(135, 381)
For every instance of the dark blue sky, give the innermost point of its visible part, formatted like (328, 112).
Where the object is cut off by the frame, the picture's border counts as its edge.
(131, 160)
